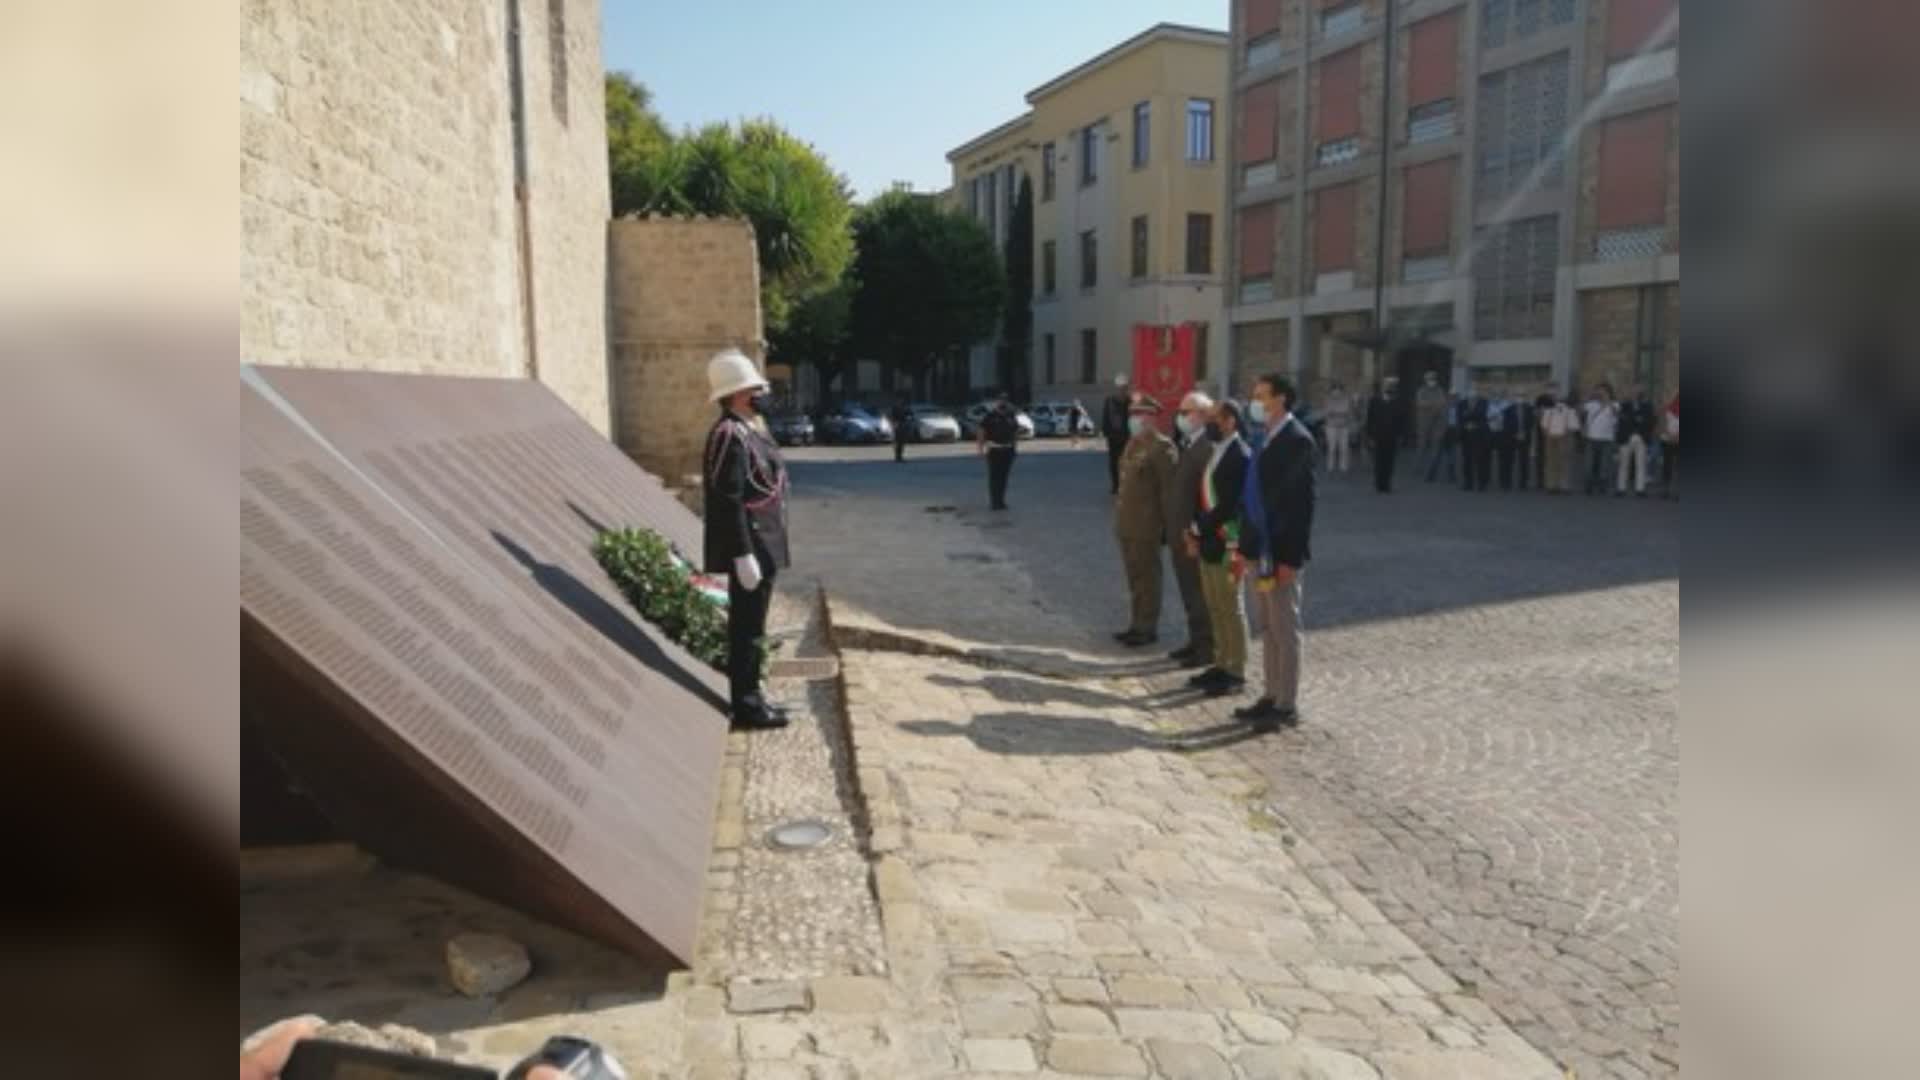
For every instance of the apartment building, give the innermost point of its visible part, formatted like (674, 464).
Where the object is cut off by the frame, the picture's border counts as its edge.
(1126, 156)
(1487, 188)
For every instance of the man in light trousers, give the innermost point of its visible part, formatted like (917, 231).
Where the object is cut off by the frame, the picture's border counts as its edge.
(1277, 523)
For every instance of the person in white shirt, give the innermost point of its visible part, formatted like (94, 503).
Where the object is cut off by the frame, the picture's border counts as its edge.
(1337, 410)
(1602, 421)
(1558, 426)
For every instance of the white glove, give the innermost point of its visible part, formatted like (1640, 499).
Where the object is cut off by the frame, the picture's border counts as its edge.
(747, 569)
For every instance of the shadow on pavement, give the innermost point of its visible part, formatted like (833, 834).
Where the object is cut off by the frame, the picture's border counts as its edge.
(1041, 734)
(1022, 690)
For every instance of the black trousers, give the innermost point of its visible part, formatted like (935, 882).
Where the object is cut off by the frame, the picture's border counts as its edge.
(1505, 448)
(999, 467)
(1115, 447)
(1479, 463)
(746, 629)
(1384, 451)
(899, 447)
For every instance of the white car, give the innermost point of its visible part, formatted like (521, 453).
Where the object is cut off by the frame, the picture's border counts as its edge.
(931, 423)
(978, 410)
(1051, 417)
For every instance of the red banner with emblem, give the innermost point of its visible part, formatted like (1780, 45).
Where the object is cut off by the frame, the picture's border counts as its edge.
(1163, 366)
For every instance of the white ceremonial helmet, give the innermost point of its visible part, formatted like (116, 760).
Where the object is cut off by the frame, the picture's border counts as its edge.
(731, 371)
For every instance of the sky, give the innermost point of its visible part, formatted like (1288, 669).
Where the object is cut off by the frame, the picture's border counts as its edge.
(882, 89)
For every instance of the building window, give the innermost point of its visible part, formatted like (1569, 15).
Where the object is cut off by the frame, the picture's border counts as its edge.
(1513, 279)
(1199, 129)
(1089, 260)
(993, 203)
(1199, 243)
(973, 198)
(1630, 198)
(1047, 278)
(1047, 172)
(1140, 246)
(1344, 19)
(1142, 133)
(1200, 351)
(1522, 117)
(1504, 22)
(1046, 351)
(1650, 338)
(1089, 154)
(1431, 121)
(1089, 355)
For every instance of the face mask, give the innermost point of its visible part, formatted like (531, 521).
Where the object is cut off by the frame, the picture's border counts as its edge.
(1185, 424)
(1136, 425)
(1259, 412)
(762, 403)
(1215, 433)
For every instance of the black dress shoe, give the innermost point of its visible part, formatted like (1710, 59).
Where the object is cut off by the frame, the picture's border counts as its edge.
(1209, 677)
(1226, 684)
(1124, 636)
(1135, 639)
(1183, 653)
(1256, 711)
(762, 720)
(1276, 718)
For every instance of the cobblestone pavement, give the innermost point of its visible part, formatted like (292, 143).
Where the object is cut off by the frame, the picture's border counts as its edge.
(1491, 745)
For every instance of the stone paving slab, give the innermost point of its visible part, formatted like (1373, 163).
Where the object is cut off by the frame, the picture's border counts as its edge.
(1063, 878)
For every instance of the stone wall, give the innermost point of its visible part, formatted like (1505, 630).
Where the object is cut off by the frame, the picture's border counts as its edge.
(1609, 328)
(380, 229)
(1260, 348)
(679, 290)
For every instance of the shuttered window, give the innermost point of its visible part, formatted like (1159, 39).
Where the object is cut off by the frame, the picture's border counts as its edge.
(1633, 170)
(1631, 23)
(1259, 122)
(1428, 209)
(1199, 243)
(1260, 17)
(1504, 22)
(1256, 241)
(1432, 54)
(1337, 115)
(1333, 228)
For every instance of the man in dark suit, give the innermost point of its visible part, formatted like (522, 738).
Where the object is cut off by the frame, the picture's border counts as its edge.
(745, 485)
(1478, 439)
(1113, 424)
(1386, 430)
(1182, 504)
(902, 419)
(1276, 528)
(1211, 539)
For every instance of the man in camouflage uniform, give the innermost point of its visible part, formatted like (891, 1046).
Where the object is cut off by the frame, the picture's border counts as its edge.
(1139, 517)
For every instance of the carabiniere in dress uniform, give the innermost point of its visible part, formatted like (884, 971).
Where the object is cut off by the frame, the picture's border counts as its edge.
(745, 484)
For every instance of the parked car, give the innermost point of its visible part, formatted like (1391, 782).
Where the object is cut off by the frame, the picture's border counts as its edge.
(931, 423)
(970, 420)
(791, 429)
(855, 424)
(1050, 419)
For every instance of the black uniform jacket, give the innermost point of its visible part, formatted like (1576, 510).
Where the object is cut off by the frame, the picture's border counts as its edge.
(745, 484)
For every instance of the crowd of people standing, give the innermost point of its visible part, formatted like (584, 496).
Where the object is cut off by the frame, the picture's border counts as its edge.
(1546, 443)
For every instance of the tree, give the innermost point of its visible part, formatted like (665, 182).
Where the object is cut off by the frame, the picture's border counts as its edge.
(635, 136)
(930, 282)
(815, 331)
(1016, 327)
(800, 209)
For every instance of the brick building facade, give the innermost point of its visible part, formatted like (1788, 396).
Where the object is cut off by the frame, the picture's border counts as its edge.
(1531, 210)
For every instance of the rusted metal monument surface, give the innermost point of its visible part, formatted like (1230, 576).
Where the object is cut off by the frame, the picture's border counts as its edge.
(431, 653)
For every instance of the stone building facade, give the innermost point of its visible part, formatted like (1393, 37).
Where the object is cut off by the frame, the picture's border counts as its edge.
(680, 290)
(1531, 218)
(380, 158)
